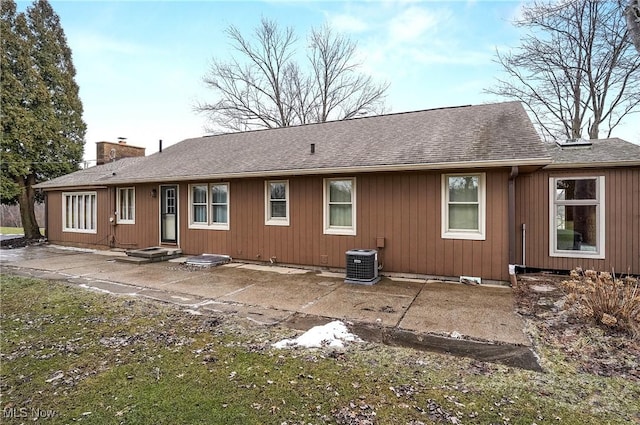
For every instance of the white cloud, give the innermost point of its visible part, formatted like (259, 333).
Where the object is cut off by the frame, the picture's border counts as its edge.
(347, 23)
(412, 23)
(433, 53)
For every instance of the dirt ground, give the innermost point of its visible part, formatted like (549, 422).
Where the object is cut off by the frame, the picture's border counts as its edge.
(589, 347)
(19, 242)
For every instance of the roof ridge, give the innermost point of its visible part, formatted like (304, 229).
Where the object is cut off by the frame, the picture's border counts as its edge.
(487, 135)
(391, 114)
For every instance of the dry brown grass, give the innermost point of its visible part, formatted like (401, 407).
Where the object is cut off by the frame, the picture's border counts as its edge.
(610, 301)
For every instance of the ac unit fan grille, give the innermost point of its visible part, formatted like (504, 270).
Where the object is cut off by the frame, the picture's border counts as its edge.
(362, 266)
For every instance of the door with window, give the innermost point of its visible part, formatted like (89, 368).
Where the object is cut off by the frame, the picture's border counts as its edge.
(169, 214)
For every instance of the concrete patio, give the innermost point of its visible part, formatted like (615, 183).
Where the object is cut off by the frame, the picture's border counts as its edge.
(476, 321)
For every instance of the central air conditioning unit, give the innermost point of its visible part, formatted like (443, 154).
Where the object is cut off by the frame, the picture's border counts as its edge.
(362, 266)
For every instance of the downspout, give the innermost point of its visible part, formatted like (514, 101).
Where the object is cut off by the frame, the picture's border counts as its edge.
(512, 226)
(111, 193)
(524, 246)
(46, 215)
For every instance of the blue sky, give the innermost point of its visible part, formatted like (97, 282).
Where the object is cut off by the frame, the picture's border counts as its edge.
(140, 63)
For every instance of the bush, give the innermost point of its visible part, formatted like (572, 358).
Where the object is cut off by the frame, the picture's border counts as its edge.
(610, 301)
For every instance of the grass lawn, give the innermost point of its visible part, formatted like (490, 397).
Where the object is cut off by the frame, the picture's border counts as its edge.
(11, 230)
(15, 230)
(80, 356)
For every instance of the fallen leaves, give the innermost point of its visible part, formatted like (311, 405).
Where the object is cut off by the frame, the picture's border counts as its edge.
(356, 413)
(151, 352)
(591, 348)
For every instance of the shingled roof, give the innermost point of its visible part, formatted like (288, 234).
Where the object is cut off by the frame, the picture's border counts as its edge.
(489, 135)
(612, 152)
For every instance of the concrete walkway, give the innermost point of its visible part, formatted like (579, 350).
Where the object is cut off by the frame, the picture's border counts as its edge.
(475, 321)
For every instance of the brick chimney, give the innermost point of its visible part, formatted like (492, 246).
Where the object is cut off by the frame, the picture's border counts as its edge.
(109, 151)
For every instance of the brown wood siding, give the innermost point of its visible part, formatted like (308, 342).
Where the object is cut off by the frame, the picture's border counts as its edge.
(622, 220)
(143, 233)
(54, 221)
(403, 208)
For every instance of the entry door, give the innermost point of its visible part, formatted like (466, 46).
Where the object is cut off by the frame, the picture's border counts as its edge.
(169, 214)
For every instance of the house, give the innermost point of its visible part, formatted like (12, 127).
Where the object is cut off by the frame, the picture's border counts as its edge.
(461, 191)
(583, 209)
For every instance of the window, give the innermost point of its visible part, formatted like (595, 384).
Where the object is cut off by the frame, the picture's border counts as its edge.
(277, 203)
(126, 205)
(79, 212)
(220, 204)
(340, 206)
(199, 204)
(209, 206)
(463, 206)
(576, 217)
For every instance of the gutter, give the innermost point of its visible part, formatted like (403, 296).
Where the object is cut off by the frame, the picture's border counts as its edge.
(540, 162)
(67, 187)
(570, 165)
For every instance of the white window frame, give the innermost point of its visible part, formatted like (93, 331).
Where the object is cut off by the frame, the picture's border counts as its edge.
(339, 230)
(79, 224)
(480, 234)
(192, 222)
(268, 219)
(126, 220)
(599, 203)
(209, 225)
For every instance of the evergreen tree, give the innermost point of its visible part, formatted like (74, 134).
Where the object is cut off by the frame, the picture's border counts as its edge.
(52, 57)
(42, 127)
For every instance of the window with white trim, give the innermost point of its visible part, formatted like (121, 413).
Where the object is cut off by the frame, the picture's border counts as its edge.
(576, 216)
(277, 203)
(79, 212)
(209, 206)
(464, 206)
(126, 205)
(340, 206)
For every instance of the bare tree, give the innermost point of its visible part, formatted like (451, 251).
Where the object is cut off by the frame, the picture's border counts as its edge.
(575, 70)
(340, 91)
(266, 85)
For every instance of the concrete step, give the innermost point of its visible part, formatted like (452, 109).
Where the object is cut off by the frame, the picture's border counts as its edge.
(154, 253)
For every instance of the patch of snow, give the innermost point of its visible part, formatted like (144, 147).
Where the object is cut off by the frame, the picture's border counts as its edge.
(207, 302)
(58, 375)
(331, 274)
(177, 297)
(106, 291)
(333, 334)
(85, 286)
(194, 312)
(271, 268)
(72, 248)
(543, 288)
(456, 335)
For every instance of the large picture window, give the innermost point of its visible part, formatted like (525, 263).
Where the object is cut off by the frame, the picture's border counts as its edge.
(209, 206)
(126, 205)
(79, 212)
(577, 217)
(463, 206)
(277, 203)
(340, 206)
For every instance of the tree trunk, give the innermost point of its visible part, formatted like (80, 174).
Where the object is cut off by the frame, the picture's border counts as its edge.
(26, 200)
(594, 129)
